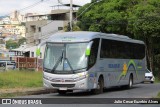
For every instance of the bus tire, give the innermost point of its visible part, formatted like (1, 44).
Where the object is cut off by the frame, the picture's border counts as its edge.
(130, 84)
(100, 87)
(62, 92)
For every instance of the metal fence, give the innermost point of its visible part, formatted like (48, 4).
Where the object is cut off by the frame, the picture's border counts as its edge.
(22, 63)
(29, 63)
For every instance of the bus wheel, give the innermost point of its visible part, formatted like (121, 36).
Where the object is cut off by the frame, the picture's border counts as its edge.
(130, 84)
(99, 87)
(62, 92)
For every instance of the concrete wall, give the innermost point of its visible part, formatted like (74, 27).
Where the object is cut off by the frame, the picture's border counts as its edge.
(30, 33)
(47, 28)
(51, 28)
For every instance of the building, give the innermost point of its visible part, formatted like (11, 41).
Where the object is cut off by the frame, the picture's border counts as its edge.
(13, 30)
(12, 25)
(2, 44)
(16, 18)
(18, 30)
(21, 30)
(40, 26)
(6, 20)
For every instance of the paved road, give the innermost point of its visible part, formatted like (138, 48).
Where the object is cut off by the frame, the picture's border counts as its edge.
(138, 91)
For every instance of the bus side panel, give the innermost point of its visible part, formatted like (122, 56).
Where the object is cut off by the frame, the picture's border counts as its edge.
(141, 67)
(117, 71)
(106, 67)
(92, 77)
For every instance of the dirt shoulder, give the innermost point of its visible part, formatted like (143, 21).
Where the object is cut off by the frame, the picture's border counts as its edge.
(24, 91)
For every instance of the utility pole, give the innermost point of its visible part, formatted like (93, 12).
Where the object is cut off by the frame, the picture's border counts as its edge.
(71, 13)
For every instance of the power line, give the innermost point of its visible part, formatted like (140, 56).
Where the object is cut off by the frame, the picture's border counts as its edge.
(28, 7)
(31, 6)
(87, 9)
(25, 8)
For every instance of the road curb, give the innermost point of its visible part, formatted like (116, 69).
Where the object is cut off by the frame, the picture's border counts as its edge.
(27, 92)
(42, 91)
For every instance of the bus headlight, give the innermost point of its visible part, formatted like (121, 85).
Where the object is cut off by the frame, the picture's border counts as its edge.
(81, 77)
(47, 77)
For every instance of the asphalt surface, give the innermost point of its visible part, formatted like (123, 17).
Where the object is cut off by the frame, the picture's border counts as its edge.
(145, 90)
(138, 91)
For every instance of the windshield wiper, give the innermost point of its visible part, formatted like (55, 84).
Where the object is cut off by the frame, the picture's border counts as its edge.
(59, 60)
(65, 58)
(46, 69)
(69, 64)
(55, 66)
(80, 69)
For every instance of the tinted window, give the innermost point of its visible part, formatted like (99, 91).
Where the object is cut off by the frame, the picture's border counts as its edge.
(121, 50)
(94, 52)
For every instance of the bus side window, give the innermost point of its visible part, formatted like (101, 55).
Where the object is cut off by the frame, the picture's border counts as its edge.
(94, 52)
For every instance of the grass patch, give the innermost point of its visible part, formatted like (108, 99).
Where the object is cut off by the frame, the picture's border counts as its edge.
(20, 79)
(158, 96)
(9, 95)
(157, 80)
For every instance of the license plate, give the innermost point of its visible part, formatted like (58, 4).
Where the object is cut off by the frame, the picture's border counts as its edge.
(64, 88)
(147, 78)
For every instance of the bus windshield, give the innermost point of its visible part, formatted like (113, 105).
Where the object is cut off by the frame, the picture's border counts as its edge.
(60, 58)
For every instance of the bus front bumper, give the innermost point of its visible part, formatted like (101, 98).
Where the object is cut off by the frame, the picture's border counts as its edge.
(78, 85)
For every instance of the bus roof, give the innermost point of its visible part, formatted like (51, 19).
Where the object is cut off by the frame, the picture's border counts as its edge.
(85, 36)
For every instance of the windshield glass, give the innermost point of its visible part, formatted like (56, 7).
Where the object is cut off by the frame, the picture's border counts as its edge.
(147, 71)
(65, 57)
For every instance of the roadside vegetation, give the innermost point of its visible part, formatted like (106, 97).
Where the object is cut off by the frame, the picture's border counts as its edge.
(157, 80)
(20, 79)
(138, 19)
(158, 96)
(12, 44)
(10, 95)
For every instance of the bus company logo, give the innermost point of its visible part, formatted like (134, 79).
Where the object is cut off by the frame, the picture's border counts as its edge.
(125, 68)
(114, 65)
(62, 80)
(69, 38)
(6, 101)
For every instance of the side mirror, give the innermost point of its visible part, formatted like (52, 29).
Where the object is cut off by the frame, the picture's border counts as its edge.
(88, 50)
(38, 52)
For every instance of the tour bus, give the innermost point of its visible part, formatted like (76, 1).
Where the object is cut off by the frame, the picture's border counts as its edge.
(92, 61)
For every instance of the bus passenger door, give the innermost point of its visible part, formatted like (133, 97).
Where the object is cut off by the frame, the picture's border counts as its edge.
(92, 63)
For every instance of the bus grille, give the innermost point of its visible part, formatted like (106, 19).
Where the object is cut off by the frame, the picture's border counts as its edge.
(63, 85)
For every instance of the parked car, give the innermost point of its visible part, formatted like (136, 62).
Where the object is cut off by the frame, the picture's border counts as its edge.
(2, 64)
(11, 65)
(149, 77)
(7, 65)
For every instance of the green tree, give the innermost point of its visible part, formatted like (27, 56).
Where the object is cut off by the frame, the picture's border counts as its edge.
(75, 28)
(138, 19)
(21, 41)
(144, 23)
(10, 44)
(106, 16)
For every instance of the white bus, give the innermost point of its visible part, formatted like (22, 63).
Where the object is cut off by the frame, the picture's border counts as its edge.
(92, 61)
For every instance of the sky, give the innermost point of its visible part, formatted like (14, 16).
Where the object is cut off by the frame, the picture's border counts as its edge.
(8, 6)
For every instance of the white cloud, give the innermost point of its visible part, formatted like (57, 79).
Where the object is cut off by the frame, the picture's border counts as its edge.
(8, 6)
